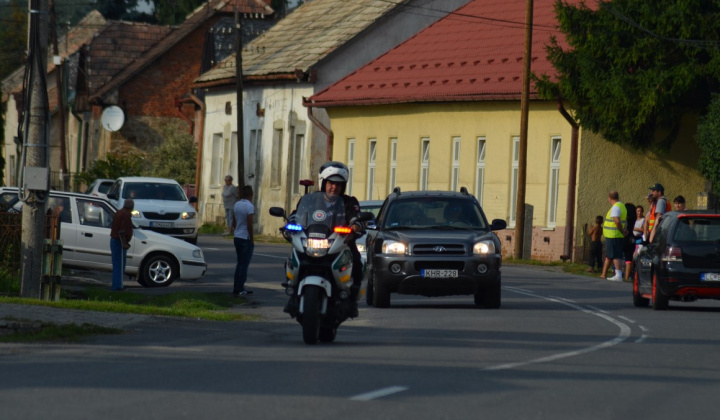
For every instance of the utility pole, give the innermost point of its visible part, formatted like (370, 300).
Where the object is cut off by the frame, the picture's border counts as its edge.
(522, 152)
(34, 176)
(239, 89)
(61, 103)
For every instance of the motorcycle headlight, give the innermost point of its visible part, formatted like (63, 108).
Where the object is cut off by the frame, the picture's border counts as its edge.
(188, 215)
(317, 247)
(136, 213)
(393, 247)
(484, 248)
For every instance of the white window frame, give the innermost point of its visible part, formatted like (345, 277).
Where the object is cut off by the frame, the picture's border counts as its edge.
(392, 178)
(554, 181)
(297, 159)
(372, 154)
(455, 167)
(424, 163)
(514, 173)
(216, 160)
(480, 169)
(276, 168)
(350, 165)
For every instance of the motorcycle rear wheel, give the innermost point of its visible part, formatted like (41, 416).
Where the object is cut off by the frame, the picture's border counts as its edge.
(311, 314)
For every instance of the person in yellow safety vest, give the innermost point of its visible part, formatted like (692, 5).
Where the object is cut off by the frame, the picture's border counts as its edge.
(658, 209)
(614, 230)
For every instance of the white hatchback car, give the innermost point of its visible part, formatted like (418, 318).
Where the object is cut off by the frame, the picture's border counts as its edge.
(99, 187)
(156, 260)
(160, 205)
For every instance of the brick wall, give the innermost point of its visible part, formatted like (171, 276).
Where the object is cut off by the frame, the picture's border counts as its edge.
(152, 92)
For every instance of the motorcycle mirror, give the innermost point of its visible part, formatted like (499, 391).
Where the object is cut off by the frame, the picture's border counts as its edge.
(277, 212)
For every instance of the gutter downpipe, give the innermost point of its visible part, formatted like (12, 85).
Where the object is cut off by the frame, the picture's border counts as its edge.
(572, 182)
(328, 133)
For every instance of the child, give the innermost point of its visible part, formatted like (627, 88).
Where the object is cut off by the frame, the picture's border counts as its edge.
(595, 233)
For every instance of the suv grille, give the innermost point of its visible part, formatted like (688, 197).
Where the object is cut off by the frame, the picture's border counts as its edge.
(439, 250)
(158, 216)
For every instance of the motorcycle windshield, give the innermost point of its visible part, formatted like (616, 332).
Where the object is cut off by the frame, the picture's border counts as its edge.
(316, 208)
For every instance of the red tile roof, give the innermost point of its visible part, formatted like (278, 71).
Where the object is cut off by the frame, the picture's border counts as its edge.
(475, 53)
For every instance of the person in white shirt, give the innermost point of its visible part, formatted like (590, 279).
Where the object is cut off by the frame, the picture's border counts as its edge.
(242, 225)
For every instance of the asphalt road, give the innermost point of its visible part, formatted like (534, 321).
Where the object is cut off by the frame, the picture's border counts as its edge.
(561, 347)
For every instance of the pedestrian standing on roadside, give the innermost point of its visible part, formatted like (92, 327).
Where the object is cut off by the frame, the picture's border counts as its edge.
(596, 247)
(229, 197)
(121, 233)
(658, 209)
(242, 225)
(614, 231)
(679, 203)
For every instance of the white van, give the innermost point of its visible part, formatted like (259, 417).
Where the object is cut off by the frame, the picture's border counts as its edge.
(160, 205)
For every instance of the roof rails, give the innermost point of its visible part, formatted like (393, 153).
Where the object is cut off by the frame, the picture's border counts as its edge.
(464, 190)
(396, 190)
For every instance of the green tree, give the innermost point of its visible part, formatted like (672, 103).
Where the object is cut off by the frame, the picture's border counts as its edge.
(173, 12)
(115, 165)
(175, 157)
(13, 37)
(708, 139)
(632, 67)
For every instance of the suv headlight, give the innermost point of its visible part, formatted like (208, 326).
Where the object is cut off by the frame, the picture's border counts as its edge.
(484, 248)
(188, 215)
(136, 213)
(393, 247)
(360, 247)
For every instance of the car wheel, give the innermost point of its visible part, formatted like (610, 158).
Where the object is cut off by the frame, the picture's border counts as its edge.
(659, 301)
(638, 300)
(369, 291)
(159, 270)
(489, 297)
(381, 294)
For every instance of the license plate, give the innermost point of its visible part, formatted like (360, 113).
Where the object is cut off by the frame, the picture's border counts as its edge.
(162, 224)
(439, 274)
(710, 276)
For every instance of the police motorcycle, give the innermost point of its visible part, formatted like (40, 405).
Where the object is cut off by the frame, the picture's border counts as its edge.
(319, 268)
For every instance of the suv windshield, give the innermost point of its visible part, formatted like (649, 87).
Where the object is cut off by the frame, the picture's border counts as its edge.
(153, 191)
(424, 212)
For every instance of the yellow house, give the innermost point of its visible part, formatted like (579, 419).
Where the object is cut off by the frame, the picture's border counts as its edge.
(442, 111)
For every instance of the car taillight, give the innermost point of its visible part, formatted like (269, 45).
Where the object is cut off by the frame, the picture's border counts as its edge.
(672, 253)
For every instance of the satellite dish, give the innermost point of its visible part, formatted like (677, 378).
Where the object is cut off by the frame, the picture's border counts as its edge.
(113, 118)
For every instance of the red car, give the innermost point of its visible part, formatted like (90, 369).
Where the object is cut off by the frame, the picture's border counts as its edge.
(683, 261)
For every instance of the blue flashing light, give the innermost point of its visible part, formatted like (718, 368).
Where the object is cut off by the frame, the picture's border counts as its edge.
(293, 227)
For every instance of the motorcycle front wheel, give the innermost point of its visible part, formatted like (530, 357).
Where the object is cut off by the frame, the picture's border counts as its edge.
(311, 314)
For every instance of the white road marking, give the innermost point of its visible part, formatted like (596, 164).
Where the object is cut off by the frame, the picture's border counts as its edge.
(626, 319)
(597, 309)
(271, 256)
(560, 298)
(622, 336)
(384, 392)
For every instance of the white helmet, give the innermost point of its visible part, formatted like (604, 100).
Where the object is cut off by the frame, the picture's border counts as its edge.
(333, 171)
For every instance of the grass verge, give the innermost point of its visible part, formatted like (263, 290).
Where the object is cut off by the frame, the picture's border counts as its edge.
(208, 306)
(566, 267)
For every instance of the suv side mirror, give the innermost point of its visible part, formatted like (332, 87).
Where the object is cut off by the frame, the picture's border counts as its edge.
(193, 200)
(498, 224)
(112, 196)
(364, 216)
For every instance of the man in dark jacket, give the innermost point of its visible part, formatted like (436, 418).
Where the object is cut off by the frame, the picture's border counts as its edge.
(121, 233)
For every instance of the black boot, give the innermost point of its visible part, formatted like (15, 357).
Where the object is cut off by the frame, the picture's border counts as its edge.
(353, 308)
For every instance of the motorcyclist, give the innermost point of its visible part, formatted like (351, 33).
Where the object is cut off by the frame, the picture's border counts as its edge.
(333, 178)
